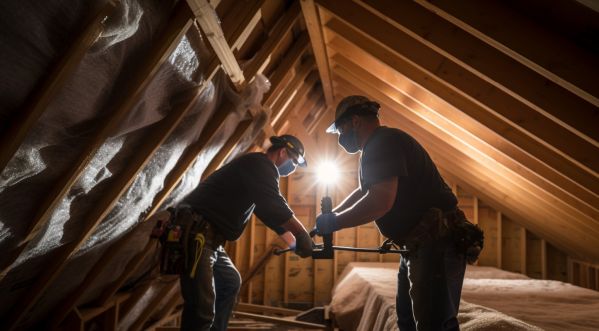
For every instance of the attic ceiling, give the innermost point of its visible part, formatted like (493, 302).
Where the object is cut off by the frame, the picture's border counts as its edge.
(501, 110)
(502, 94)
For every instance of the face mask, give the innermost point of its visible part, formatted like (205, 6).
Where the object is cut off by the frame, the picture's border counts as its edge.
(287, 168)
(349, 141)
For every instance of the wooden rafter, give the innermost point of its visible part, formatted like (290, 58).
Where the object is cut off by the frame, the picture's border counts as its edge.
(498, 69)
(577, 69)
(292, 57)
(209, 23)
(281, 28)
(15, 132)
(290, 89)
(300, 93)
(394, 55)
(314, 26)
(226, 150)
(153, 305)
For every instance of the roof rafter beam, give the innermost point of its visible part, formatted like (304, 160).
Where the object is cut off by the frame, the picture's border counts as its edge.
(262, 58)
(314, 26)
(17, 129)
(209, 23)
(491, 65)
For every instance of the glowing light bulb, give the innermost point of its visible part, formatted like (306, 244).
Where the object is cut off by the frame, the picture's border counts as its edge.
(327, 173)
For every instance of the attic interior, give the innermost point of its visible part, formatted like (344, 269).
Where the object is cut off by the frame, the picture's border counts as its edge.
(113, 111)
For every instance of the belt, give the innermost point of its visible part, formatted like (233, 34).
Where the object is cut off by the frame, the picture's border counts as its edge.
(195, 223)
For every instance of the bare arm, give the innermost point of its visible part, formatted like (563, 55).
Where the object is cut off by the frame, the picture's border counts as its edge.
(351, 199)
(376, 203)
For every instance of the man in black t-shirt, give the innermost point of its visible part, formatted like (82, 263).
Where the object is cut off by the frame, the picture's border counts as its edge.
(400, 188)
(221, 206)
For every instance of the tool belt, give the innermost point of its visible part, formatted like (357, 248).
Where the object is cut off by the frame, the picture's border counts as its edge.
(183, 238)
(438, 225)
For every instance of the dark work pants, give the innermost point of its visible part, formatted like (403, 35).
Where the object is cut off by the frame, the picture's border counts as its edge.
(429, 287)
(209, 297)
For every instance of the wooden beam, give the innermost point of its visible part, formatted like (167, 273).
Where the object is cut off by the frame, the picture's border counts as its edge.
(543, 259)
(226, 150)
(498, 69)
(281, 321)
(189, 156)
(283, 100)
(132, 266)
(70, 302)
(298, 98)
(239, 22)
(261, 309)
(572, 67)
(178, 25)
(499, 241)
(487, 141)
(290, 60)
(457, 86)
(523, 260)
(147, 312)
(15, 130)
(209, 22)
(262, 58)
(314, 26)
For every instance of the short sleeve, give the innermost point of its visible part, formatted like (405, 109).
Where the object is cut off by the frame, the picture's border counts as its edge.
(271, 207)
(382, 158)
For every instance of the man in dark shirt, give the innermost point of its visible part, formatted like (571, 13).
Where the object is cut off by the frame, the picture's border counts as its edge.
(224, 202)
(400, 188)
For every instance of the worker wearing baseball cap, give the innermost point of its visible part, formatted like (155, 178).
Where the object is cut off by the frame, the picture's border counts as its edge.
(401, 189)
(218, 211)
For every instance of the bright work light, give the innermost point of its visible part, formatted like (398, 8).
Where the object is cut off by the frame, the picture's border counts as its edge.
(327, 173)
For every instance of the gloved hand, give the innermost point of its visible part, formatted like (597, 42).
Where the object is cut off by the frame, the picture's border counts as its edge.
(303, 244)
(326, 223)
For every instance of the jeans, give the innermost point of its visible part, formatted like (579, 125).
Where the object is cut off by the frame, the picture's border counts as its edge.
(429, 287)
(210, 296)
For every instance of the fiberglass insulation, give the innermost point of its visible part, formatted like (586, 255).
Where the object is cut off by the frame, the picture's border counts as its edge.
(33, 36)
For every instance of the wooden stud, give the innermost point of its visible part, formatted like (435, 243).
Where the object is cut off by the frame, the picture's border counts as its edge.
(523, 261)
(239, 22)
(499, 241)
(475, 209)
(209, 22)
(543, 259)
(16, 130)
(179, 24)
(314, 27)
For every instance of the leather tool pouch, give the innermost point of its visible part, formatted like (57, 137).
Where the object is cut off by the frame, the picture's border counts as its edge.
(174, 235)
(469, 237)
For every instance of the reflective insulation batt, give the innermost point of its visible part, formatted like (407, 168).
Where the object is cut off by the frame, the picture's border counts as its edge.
(32, 35)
